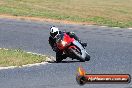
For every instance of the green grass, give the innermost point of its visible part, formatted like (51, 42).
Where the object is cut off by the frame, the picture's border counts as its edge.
(18, 58)
(100, 12)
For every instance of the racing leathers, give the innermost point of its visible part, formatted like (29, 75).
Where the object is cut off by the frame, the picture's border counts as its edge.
(52, 42)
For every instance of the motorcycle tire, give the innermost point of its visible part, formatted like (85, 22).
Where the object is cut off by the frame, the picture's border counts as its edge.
(87, 57)
(59, 58)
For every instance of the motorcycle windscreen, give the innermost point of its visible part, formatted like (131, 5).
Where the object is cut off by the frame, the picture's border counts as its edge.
(76, 43)
(59, 37)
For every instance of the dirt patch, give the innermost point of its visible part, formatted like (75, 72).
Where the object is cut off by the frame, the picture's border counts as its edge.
(43, 19)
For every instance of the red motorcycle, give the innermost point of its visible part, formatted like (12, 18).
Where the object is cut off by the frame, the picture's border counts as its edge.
(71, 47)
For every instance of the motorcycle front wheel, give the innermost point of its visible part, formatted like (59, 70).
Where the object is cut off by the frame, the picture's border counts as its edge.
(59, 58)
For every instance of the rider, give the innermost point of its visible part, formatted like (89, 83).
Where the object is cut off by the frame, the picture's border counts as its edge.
(52, 40)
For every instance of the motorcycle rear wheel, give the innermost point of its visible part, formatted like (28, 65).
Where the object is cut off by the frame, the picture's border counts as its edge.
(87, 57)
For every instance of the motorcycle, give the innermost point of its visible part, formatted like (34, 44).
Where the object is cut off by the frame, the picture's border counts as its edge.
(71, 47)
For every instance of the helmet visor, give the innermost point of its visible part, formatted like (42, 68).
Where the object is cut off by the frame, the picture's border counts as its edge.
(53, 34)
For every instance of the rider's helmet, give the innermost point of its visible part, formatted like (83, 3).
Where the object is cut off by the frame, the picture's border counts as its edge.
(54, 31)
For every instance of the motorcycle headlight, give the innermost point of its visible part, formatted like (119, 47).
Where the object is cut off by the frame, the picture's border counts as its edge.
(63, 43)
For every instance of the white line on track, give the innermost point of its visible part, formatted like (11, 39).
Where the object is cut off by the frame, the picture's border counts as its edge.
(28, 65)
(129, 28)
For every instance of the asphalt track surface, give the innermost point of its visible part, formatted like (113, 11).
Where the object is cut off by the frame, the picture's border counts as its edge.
(110, 50)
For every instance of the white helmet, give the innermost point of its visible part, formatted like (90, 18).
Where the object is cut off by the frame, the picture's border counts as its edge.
(54, 31)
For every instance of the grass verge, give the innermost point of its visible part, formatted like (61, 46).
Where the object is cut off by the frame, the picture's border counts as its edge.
(18, 58)
(101, 12)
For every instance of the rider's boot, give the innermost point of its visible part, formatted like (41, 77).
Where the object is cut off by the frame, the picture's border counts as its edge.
(76, 38)
(83, 44)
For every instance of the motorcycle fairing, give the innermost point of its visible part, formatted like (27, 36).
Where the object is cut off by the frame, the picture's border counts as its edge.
(76, 43)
